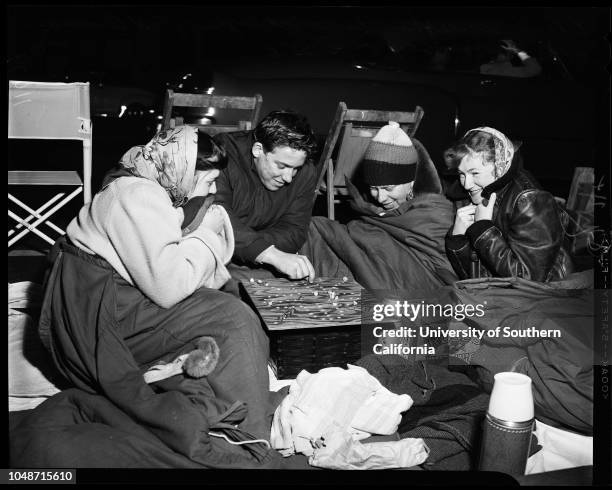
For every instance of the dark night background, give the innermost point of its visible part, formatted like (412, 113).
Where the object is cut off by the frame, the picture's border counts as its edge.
(309, 58)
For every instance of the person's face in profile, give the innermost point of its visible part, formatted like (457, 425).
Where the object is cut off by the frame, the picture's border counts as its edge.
(391, 196)
(475, 174)
(278, 167)
(205, 182)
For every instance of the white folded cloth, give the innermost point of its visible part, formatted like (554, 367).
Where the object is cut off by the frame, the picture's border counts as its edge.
(350, 402)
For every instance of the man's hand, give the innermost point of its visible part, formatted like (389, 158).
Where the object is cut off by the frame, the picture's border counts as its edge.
(485, 212)
(293, 265)
(464, 218)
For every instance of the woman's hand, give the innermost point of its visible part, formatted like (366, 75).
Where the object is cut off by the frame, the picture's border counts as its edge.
(485, 212)
(464, 218)
(214, 220)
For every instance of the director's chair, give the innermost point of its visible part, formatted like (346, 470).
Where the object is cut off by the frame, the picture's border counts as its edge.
(42, 110)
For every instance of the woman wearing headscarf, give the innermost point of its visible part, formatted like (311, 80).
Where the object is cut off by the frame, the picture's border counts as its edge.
(136, 285)
(511, 227)
(134, 223)
(509, 242)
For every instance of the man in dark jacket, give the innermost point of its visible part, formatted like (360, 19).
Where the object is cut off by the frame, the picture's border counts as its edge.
(268, 192)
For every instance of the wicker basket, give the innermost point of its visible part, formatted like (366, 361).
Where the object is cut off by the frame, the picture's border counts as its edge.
(313, 349)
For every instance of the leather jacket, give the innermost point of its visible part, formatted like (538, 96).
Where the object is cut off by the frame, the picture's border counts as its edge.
(524, 238)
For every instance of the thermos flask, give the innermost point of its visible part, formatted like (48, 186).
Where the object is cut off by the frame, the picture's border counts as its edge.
(508, 425)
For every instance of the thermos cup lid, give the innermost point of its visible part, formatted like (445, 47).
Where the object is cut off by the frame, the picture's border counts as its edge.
(511, 398)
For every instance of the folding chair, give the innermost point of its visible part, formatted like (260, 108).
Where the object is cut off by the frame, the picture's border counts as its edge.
(41, 110)
(346, 143)
(580, 209)
(175, 100)
(581, 196)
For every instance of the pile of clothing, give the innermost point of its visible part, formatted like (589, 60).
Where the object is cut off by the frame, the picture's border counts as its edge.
(326, 415)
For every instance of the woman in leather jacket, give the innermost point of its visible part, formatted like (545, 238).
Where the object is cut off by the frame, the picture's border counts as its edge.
(511, 227)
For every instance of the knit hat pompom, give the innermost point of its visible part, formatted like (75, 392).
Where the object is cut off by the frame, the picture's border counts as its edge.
(390, 157)
(392, 134)
(203, 360)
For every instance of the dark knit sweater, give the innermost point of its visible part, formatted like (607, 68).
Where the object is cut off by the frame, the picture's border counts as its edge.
(261, 217)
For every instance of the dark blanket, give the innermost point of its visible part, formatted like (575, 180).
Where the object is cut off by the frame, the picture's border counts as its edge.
(450, 397)
(402, 251)
(561, 369)
(104, 334)
(78, 429)
(448, 410)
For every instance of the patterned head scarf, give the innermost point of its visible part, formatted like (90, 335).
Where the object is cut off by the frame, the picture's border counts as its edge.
(504, 149)
(168, 159)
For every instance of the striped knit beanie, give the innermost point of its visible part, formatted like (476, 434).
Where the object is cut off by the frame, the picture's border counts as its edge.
(390, 158)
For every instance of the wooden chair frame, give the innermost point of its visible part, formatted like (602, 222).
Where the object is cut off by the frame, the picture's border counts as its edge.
(177, 99)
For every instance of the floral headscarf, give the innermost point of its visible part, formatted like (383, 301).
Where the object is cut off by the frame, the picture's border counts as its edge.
(168, 159)
(504, 149)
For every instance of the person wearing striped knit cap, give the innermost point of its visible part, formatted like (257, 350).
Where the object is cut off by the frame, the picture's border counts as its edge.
(395, 239)
(389, 166)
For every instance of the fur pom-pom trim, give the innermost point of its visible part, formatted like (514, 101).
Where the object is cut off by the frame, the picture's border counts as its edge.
(203, 360)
